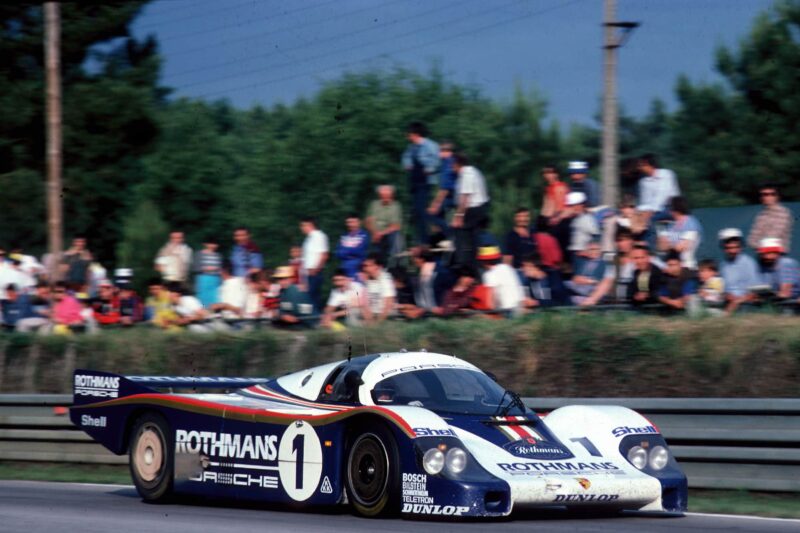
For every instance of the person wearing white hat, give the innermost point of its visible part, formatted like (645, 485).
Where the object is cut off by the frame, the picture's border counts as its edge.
(584, 226)
(739, 270)
(781, 273)
(580, 182)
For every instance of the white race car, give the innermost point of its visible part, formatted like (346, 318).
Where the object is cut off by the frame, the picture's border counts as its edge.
(411, 433)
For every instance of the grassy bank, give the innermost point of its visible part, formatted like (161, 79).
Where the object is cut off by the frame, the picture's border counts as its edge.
(546, 355)
(782, 505)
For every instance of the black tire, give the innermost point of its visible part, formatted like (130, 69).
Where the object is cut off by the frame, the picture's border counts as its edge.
(372, 476)
(151, 457)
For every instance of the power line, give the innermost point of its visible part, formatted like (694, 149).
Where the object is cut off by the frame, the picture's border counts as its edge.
(161, 22)
(361, 45)
(246, 22)
(332, 38)
(173, 9)
(345, 64)
(284, 30)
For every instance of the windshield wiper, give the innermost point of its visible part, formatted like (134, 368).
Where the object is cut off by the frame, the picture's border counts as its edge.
(516, 401)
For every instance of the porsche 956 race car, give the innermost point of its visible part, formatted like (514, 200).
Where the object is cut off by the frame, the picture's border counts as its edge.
(395, 433)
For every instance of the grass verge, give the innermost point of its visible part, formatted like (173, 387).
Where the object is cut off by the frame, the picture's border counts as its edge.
(779, 505)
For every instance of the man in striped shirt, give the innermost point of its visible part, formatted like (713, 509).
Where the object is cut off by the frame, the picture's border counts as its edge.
(774, 220)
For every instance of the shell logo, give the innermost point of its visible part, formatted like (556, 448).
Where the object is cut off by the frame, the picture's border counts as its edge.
(585, 483)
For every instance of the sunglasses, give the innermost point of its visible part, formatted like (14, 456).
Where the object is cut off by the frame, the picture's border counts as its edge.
(769, 194)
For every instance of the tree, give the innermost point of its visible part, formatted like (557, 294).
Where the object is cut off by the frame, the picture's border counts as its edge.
(110, 98)
(143, 233)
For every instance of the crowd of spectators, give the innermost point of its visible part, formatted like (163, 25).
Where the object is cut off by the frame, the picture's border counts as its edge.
(640, 254)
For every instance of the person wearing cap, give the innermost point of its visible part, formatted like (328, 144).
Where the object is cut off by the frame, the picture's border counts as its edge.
(295, 309)
(739, 271)
(584, 227)
(15, 308)
(780, 272)
(580, 182)
(472, 210)
(502, 280)
(774, 220)
(656, 187)
(105, 305)
(421, 161)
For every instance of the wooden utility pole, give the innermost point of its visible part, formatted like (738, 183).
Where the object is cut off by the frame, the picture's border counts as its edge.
(612, 40)
(52, 53)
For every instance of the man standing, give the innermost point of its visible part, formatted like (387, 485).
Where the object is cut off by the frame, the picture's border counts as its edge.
(75, 264)
(421, 161)
(353, 246)
(472, 210)
(245, 256)
(580, 182)
(315, 255)
(656, 187)
(444, 201)
(775, 220)
(174, 259)
(584, 226)
(384, 220)
(739, 270)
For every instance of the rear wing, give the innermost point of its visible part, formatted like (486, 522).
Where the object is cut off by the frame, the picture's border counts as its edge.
(92, 386)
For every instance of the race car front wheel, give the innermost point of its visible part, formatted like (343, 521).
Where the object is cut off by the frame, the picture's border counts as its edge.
(151, 457)
(372, 473)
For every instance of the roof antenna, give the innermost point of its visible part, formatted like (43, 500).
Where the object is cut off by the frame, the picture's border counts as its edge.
(349, 334)
(363, 329)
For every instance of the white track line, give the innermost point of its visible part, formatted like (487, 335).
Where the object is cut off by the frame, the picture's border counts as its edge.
(748, 517)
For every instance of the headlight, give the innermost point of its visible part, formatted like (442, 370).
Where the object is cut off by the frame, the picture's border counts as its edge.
(638, 457)
(659, 456)
(433, 461)
(456, 460)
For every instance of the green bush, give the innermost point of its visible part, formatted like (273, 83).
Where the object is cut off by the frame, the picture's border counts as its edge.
(577, 355)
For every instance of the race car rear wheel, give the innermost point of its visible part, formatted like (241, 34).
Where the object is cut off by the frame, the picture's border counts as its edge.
(372, 473)
(151, 457)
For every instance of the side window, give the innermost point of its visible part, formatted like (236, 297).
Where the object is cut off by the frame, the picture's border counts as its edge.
(326, 394)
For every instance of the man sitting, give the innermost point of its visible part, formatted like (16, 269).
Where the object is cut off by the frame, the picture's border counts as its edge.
(677, 284)
(780, 273)
(502, 280)
(296, 308)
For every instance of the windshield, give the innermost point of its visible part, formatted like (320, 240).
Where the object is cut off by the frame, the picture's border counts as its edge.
(450, 390)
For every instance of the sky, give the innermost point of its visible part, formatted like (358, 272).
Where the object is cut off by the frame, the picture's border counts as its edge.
(271, 51)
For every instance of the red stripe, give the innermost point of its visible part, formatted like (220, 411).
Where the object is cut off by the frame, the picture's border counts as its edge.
(305, 403)
(251, 411)
(516, 429)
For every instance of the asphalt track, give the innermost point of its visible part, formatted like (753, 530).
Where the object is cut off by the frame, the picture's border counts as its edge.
(39, 507)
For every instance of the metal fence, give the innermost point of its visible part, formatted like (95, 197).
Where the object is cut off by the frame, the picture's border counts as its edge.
(726, 443)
